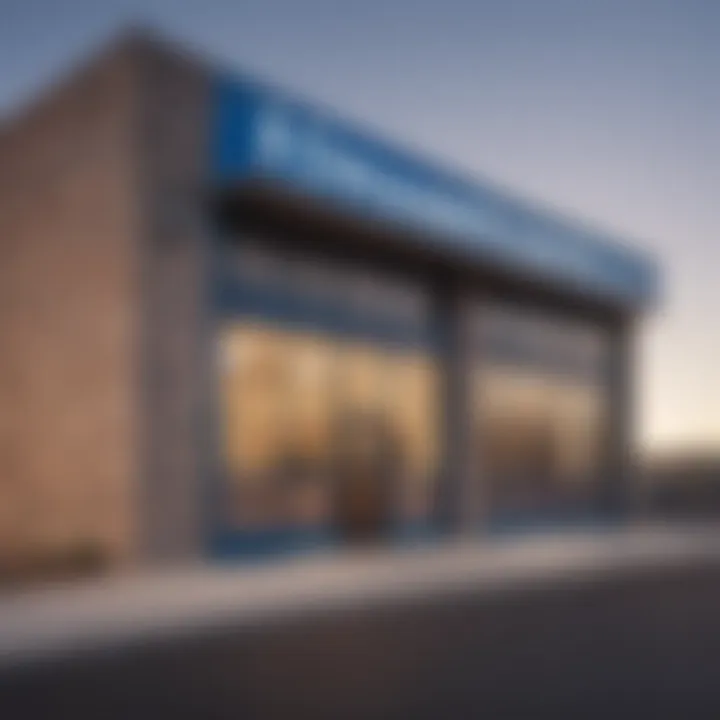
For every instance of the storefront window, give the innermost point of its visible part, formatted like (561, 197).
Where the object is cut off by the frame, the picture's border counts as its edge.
(308, 425)
(413, 408)
(253, 399)
(540, 410)
(310, 412)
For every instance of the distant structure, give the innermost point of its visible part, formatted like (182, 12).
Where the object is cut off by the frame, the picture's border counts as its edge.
(231, 323)
(684, 485)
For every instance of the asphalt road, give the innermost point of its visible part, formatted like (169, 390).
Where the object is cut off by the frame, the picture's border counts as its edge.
(621, 624)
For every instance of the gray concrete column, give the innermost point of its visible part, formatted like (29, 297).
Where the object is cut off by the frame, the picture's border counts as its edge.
(623, 491)
(171, 135)
(461, 499)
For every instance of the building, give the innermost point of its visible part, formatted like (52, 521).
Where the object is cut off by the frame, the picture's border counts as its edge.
(232, 323)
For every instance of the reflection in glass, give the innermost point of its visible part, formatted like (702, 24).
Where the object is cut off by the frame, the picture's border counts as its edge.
(539, 391)
(319, 429)
(253, 380)
(305, 454)
(412, 405)
(327, 391)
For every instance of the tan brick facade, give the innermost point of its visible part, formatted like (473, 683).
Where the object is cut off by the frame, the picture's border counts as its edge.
(95, 290)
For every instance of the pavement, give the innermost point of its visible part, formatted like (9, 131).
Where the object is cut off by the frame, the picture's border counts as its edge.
(57, 621)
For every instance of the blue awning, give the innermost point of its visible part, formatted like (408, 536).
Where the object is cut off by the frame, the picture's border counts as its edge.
(259, 133)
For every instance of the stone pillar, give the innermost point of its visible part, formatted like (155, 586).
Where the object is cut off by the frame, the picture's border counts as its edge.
(173, 139)
(622, 494)
(461, 501)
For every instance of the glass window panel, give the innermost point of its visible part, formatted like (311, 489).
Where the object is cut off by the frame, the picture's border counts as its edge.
(308, 428)
(579, 415)
(412, 407)
(277, 423)
(540, 414)
(363, 477)
(361, 381)
(259, 266)
(303, 410)
(252, 403)
(317, 281)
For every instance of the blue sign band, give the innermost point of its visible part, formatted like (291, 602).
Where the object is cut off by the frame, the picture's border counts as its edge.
(259, 133)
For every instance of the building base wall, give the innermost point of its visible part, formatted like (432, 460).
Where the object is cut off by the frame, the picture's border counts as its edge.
(68, 320)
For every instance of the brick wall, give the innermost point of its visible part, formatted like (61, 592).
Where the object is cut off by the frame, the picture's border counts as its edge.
(102, 352)
(68, 315)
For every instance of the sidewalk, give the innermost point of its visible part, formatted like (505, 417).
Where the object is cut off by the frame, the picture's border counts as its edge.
(120, 610)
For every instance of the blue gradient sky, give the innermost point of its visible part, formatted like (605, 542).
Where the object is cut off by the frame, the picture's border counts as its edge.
(609, 109)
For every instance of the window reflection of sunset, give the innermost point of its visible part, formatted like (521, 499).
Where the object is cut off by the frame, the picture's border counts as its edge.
(256, 375)
(539, 393)
(310, 363)
(284, 391)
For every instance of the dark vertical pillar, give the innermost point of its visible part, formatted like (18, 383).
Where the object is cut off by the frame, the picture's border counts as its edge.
(210, 428)
(172, 116)
(622, 492)
(461, 501)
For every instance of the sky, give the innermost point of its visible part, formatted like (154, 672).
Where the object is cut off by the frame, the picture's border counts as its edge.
(606, 109)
